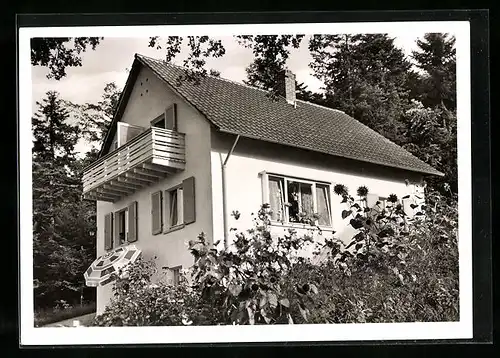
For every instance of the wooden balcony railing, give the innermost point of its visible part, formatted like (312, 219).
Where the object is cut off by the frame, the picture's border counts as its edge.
(145, 159)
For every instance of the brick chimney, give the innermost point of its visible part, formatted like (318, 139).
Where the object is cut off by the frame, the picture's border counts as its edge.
(286, 86)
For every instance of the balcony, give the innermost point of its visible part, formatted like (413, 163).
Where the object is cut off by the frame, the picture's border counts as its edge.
(140, 162)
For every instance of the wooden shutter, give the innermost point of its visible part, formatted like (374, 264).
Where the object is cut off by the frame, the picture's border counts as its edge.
(156, 213)
(116, 229)
(108, 231)
(189, 202)
(171, 117)
(132, 222)
(122, 134)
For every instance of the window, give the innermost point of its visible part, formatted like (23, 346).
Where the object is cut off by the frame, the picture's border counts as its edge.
(121, 218)
(298, 201)
(121, 228)
(159, 122)
(167, 120)
(176, 275)
(175, 211)
(174, 208)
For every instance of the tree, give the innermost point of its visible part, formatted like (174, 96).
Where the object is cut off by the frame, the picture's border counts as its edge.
(200, 48)
(436, 56)
(57, 53)
(366, 76)
(63, 225)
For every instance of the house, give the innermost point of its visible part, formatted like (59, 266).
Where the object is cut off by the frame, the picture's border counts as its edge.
(180, 157)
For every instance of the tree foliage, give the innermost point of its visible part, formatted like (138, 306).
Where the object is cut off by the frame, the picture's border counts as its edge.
(366, 76)
(436, 57)
(57, 53)
(64, 225)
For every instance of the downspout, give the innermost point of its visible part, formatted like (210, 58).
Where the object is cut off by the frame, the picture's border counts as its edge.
(224, 194)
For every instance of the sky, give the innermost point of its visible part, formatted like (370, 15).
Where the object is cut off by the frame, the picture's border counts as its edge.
(111, 59)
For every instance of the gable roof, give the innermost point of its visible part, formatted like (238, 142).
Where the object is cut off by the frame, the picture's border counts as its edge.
(247, 111)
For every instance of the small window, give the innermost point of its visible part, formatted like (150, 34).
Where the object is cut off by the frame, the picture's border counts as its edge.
(176, 275)
(159, 122)
(166, 120)
(175, 210)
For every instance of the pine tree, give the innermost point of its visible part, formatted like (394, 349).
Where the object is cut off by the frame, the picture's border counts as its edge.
(61, 241)
(366, 76)
(436, 57)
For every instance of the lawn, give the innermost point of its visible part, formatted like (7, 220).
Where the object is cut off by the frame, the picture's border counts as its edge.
(49, 316)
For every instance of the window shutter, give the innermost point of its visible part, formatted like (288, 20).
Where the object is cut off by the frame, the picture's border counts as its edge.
(189, 202)
(116, 230)
(132, 222)
(171, 117)
(108, 231)
(122, 134)
(156, 213)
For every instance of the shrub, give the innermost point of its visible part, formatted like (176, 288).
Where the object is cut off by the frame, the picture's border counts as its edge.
(395, 269)
(409, 276)
(138, 301)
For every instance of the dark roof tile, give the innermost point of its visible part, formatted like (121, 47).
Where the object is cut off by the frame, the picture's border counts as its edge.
(236, 108)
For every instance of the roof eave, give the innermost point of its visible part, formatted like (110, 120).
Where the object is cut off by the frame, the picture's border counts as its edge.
(430, 171)
(122, 103)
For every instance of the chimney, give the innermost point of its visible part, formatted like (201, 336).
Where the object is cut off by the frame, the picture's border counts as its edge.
(286, 86)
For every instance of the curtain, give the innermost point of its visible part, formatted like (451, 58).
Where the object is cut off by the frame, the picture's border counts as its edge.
(323, 205)
(276, 199)
(306, 198)
(173, 208)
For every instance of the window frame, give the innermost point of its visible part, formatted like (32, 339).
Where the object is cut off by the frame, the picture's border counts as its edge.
(174, 270)
(286, 178)
(123, 211)
(180, 215)
(163, 117)
(159, 119)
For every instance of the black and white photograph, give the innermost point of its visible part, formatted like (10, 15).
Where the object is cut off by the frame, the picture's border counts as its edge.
(245, 183)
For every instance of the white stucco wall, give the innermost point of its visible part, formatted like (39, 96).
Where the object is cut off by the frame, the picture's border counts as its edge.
(250, 157)
(148, 99)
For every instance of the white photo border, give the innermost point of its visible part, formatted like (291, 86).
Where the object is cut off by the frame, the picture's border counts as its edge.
(463, 329)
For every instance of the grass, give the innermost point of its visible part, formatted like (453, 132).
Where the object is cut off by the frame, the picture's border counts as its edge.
(48, 316)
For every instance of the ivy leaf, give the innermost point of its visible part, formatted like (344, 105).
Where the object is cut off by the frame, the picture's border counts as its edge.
(313, 288)
(285, 302)
(264, 315)
(304, 312)
(273, 300)
(359, 236)
(263, 301)
(235, 289)
(355, 223)
(346, 213)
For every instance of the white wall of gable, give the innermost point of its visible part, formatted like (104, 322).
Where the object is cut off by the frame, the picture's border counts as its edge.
(149, 98)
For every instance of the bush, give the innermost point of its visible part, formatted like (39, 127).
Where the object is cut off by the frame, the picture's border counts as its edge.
(409, 276)
(395, 269)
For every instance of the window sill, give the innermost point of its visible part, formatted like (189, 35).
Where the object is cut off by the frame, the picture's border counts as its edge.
(174, 228)
(301, 226)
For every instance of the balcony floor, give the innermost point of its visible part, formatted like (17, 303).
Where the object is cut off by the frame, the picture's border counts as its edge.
(127, 183)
